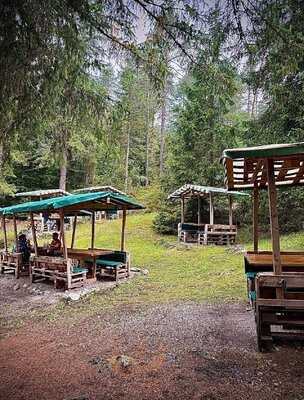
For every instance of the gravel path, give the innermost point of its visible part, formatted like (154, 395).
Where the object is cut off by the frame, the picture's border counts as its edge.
(181, 351)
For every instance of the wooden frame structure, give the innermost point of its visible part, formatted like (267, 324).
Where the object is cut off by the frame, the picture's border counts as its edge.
(71, 269)
(104, 188)
(205, 233)
(275, 279)
(36, 195)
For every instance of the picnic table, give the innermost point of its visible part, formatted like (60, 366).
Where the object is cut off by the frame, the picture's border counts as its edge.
(85, 254)
(261, 261)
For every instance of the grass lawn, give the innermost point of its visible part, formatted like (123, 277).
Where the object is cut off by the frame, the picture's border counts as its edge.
(176, 272)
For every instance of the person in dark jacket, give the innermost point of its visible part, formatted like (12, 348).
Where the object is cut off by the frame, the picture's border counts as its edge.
(24, 248)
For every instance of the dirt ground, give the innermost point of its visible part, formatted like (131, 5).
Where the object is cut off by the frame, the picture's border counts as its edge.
(171, 351)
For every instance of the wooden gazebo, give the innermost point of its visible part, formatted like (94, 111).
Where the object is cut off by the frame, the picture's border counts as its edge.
(199, 232)
(275, 278)
(73, 266)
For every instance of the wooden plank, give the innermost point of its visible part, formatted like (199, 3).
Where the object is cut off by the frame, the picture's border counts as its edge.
(65, 251)
(16, 233)
(255, 218)
(286, 303)
(34, 234)
(74, 230)
(229, 172)
(199, 210)
(283, 170)
(211, 209)
(300, 174)
(287, 259)
(182, 209)
(93, 230)
(256, 171)
(230, 211)
(5, 234)
(285, 280)
(123, 226)
(263, 179)
(274, 220)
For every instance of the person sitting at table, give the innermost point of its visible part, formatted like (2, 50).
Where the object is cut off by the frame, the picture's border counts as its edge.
(54, 248)
(24, 247)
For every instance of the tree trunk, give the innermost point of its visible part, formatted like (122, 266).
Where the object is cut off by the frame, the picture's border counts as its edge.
(147, 141)
(163, 119)
(63, 169)
(90, 168)
(127, 159)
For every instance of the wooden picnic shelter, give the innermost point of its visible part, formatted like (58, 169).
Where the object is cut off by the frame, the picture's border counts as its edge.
(275, 278)
(199, 232)
(73, 266)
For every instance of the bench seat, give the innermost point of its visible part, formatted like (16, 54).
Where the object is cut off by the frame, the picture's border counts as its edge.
(109, 263)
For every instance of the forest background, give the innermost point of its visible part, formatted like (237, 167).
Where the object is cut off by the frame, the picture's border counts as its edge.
(145, 95)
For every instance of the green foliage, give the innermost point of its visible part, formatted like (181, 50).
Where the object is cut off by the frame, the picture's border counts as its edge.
(201, 129)
(152, 197)
(166, 221)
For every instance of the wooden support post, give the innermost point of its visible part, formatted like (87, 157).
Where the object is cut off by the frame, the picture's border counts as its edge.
(211, 209)
(230, 211)
(274, 220)
(123, 226)
(5, 233)
(65, 250)
(16, 233)
(93, 230)
(74, 230)
(34, 234)
(182, 209)
(199, 210)
(255, 218)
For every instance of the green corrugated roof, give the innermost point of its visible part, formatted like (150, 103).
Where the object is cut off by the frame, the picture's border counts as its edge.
(273, 150)
(61, 202)
(118, 201)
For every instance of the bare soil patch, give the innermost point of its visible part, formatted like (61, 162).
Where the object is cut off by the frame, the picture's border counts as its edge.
(171, 351)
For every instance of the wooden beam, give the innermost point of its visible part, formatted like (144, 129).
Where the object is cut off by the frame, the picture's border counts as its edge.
(182, 209)
(274, 220)
(211, 209)
(34, 234)
(93, 230)
(300, 174)
(16, 233)
(230, 211)
(263, 179)
(5, 234)
(65, 250)
(123, 226)
(255, 218)
(256, 171)
(74, 230)
(229, 173)
(199, 202)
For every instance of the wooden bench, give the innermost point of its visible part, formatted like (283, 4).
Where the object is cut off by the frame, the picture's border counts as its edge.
(12, 263)
(279, 306)
(218, 234)
(55, 269)
(256, 262)
(188, 233)
(114, 265)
